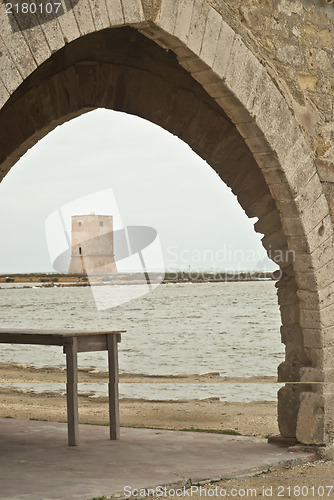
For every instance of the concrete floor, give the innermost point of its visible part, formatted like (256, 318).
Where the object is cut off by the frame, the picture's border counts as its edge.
(37, 464)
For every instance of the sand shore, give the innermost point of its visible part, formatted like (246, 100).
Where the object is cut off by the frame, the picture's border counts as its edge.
(256, 418)
(15, 372)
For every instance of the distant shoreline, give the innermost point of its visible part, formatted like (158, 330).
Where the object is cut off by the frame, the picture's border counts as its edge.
(50, 280)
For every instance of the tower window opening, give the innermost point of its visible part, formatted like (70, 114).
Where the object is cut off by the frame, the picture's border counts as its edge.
(80, 224)
(101, 223)
(80, 251)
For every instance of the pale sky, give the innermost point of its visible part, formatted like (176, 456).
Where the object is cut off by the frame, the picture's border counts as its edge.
(155, 179)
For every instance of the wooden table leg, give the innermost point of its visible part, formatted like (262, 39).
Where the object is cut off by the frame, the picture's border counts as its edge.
(72, 393)
(113, 387)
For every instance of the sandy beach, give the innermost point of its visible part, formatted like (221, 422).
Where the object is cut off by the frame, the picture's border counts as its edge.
(256, 418)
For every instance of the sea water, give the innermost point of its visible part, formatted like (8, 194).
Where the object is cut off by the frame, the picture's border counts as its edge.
(187, 328)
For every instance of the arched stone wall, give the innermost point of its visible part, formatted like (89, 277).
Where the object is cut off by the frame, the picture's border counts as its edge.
(205, 86)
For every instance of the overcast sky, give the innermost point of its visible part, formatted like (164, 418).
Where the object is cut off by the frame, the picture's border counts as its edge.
(153, 179)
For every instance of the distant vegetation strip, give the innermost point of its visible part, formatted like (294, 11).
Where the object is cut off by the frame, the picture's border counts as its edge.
(119, 278)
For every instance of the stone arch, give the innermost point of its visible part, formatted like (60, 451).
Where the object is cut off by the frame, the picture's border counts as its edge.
(209, 89)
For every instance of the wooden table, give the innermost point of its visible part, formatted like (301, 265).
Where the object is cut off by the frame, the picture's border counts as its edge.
(74, 342)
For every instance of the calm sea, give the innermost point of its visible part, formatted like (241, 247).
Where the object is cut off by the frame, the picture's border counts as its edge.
(230, 328)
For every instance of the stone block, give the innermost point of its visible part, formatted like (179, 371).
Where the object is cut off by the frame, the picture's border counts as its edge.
(183, 20)
(165, 40)
(238, 114)
(276, 176)
(193, 64)
(327, 317)
(322, 357)
(282, 192)
(311, 375)
(315, 238)
(291, 334)
(299, 167)
(243, 68)
(205, 77)
(288, 405)
(258, 144)
(100, 15)
(167, 16)
(249, 130)
(197, 25)
(307, 281)
(288, 209)
(223, 49)
(181, 51)
(274, 241)
(264, 102)
(326, 295)
(288, 373)
(320, 257)
(287, 295)
(69, 26)
(313, 338)
(252, 191)
(308, 299)
(16, 49)
(83, 16)
(9, 72)
(115, 12)
(52, 32)
(133, 12)
(302, 173)
(290, 313)
(267, 161)
(299, 244)
(325, 169)
(259, 207)
(307, 81)
(269, 223)
(293, 226)
(316, 213)
(304, 263)
(284, 258)
(280, 132)
(310, 318)
(316, 279)
(211, 36)
(286, 282)
(37, 43)
(258, 91)
(310, 420)
(229, 103)
(217, 89)
(290, 54)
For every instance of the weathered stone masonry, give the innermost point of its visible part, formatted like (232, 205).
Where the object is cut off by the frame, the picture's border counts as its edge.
(249, 86)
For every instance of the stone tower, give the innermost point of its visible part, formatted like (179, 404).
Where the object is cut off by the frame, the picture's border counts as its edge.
(92, 245)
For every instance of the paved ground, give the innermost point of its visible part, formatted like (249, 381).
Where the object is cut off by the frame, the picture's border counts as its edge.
(37, 464)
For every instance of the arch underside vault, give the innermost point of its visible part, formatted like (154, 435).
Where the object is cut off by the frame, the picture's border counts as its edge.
(217, 98)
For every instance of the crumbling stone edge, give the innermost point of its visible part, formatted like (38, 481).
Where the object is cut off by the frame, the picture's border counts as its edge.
(252, 472)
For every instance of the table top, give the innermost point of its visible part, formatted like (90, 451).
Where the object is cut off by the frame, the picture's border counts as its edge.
(55, 337)
(56, 333)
